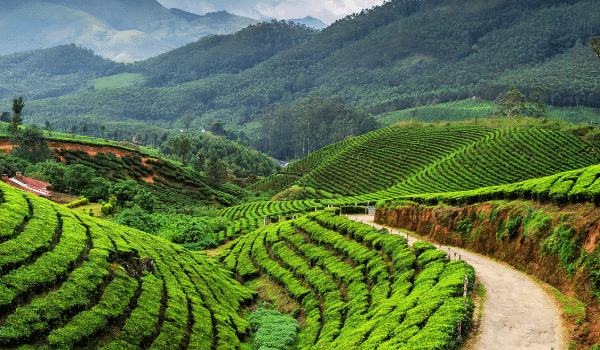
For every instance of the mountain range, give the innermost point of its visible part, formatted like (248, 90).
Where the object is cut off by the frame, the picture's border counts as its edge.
(400, 55)
(120, 30)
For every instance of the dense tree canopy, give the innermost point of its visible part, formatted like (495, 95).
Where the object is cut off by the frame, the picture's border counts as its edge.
(33, 146)
(400, 55)
(310, 124)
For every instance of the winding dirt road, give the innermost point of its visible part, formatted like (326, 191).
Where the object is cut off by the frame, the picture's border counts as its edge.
(517, 313)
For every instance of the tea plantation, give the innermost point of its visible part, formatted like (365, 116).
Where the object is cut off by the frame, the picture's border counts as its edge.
(359, 288)
(69, 281)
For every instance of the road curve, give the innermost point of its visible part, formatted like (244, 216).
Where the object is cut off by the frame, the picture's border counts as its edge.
(517, 313)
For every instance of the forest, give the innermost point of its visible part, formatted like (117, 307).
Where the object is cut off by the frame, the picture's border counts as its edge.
(403, 54)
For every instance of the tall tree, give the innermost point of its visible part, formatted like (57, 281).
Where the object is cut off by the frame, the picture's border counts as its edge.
(84, 129)
(32, 147)
(512, 104)
(102, 130)
(183, 146)
(537, 107)
(595, 43)
(49, 127)
(13, 127)
(199, 161)
(17, 107)
(216, 171)
(187, 121)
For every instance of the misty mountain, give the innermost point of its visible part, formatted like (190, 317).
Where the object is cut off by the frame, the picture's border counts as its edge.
(219, 54)
(188, 16)
(310, 22)
(120, 30)
(403, 54)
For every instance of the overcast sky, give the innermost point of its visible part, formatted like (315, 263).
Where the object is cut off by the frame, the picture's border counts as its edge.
(326, 10)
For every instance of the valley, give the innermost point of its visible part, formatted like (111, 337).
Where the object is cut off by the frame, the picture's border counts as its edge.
(419, 175)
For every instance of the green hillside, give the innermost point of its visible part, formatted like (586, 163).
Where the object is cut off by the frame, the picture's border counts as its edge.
(411, 157)
(480, 109)
(222, 54)
(81, 282)
(70, 281)
(403, 54)
(358, 288)
(52, 72)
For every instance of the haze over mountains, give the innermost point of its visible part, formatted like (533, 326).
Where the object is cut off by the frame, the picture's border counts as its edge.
(401, 55)
(120, 30)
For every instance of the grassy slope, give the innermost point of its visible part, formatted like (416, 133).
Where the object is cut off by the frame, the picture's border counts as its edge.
(411, 157)
(443, 53)
(173, 184)
(81, 280)
(351, 297)
(479, 109)
(117, 81)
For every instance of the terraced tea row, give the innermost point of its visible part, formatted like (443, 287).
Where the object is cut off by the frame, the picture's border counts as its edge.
(171, 183)
(296, 170)
(68, 281)
(581, 185)
(397, 161)
(359, 288)
(382, 158)
(271, 209)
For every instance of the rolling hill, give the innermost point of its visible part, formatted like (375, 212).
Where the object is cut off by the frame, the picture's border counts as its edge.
(409, 158)
(396, 56)
(525, 192)
(79, 281)
(104, 285)
(120, 30)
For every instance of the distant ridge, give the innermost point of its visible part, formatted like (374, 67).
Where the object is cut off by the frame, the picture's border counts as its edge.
(120, 30)
(188, 16)
(311, 22)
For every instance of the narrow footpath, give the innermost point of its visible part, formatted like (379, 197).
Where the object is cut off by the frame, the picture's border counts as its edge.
(517, 313)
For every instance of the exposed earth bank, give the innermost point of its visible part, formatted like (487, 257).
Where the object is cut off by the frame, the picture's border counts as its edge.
(556, 244)
(517, 313)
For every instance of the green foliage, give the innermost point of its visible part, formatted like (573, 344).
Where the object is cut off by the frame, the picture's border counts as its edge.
(78, 177)
(106, 285)
(78, 203)
(562, 244)
(97, 189)
(216, 172)
(310, 124)
(595, 44)
(273, 330)
(464, 227)
(125, 192)
(109, 208)
(512, 104)
(198, 233)
(32, 147)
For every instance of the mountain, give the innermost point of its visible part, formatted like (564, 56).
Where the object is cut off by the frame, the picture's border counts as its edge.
(400, 55)
(124, 31)
(121, 15)
(220, 54)
(311, 22)
(37, 25)
(188, 16)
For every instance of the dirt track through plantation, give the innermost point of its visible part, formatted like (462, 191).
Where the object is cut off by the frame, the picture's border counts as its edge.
(517, 313)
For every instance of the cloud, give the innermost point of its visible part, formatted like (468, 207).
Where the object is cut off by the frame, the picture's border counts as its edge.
(326, 10)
